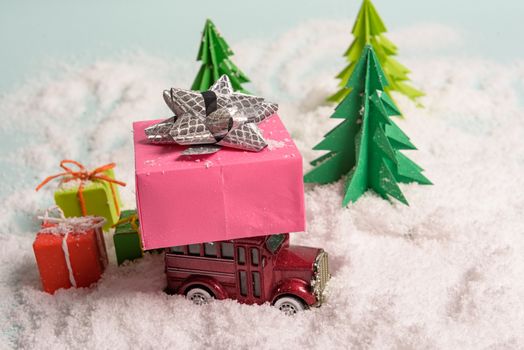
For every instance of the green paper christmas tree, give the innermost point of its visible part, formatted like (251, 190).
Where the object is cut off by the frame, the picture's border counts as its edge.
(366, 145)
(368, 30)
(214, 53)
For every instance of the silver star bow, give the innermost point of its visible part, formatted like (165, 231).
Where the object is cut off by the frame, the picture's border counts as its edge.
(211, 119)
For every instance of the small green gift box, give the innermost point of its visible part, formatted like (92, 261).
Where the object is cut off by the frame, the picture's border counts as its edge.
(83, 192)
(128, 245)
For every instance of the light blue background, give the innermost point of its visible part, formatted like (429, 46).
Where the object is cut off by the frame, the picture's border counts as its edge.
(35, 33)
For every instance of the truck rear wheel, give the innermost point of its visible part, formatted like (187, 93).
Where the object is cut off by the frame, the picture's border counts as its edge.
(290, 305)
(199, 296)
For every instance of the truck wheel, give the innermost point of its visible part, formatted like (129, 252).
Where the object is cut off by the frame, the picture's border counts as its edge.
(289, 305)
(199, 296)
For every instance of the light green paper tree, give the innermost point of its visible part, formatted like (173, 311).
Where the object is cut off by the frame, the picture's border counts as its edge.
(368, 30)
(366, 145)
(214, 54)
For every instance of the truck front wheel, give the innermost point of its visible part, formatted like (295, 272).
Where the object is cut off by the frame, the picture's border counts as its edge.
(199, 296)
(290, 305)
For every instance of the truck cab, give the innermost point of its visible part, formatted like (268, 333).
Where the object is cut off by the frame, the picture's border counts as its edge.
(251, 270)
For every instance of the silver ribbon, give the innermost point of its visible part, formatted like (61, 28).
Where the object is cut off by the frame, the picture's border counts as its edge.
(208, 120)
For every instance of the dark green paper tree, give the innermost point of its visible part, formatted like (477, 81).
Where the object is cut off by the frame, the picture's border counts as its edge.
(366, 145)
(368, 30)
(214, 54)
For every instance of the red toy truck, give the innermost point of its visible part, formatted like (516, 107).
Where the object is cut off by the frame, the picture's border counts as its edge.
(250, 270)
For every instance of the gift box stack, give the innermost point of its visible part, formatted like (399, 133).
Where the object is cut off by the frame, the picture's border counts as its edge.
(189, 190)
(69, 248)
(223, 167)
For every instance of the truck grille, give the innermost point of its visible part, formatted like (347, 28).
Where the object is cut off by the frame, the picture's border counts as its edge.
(321, 275)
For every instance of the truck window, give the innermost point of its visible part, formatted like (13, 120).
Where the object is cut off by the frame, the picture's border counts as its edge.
(177, 250)
(274, 241)
(227, 250)
(194, 249)
(243, 283)
(210, 249)
(254, 256)
(256, 284)
(241, 256)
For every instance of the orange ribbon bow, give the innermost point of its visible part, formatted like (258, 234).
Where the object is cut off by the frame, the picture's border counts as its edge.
(83, 175)
(132, 219)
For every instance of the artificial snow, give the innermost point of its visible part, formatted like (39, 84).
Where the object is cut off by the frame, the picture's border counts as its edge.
(69, 184)
(274, 144)
(446, 272)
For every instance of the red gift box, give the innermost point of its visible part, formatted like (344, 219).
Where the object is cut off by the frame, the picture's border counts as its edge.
(70, 252)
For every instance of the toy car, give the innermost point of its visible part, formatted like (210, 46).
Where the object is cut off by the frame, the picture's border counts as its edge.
(251, 270)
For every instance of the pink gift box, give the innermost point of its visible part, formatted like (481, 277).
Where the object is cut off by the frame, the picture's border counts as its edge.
(229, 194)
